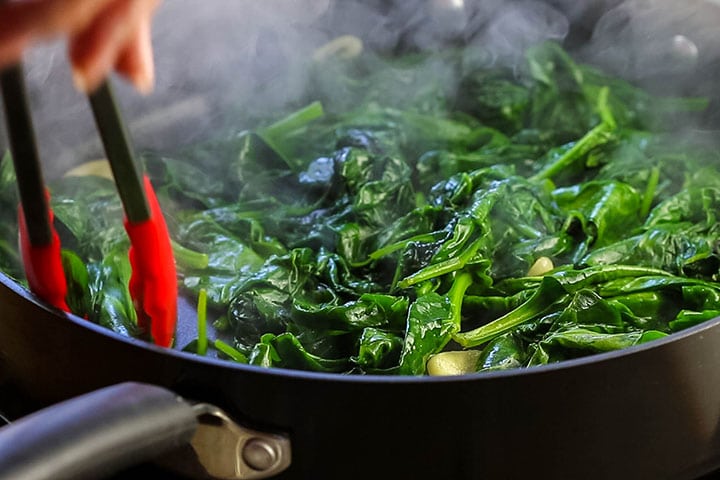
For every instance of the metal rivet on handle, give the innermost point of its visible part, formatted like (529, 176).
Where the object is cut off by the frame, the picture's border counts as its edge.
(259, 454)
(226, 450)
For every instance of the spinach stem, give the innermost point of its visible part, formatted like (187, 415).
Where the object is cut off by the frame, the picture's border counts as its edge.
(189, 258)
(649, 192)
(276, 135)
(549, 292)
(599, 135)
(292, 122)
(457, 292)
(393, 247)
(202, 341)
(448, 266)
(230, 351)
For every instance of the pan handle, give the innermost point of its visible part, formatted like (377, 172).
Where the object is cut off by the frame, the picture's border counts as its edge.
(102, 432)
(96, 434)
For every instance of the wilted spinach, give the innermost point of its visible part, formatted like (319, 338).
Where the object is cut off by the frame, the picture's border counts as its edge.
(373, 231)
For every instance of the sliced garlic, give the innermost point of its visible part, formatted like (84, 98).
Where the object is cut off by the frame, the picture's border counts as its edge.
(453, 363)
(344, 47)
(98, 168)
(541, 266)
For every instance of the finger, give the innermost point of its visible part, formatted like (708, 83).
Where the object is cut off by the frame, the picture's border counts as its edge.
(136, 60)
(95, 50)
(11, 51)
(26, 21)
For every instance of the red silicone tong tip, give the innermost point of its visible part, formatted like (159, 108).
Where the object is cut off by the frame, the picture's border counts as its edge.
(43, 266)
(153, 284)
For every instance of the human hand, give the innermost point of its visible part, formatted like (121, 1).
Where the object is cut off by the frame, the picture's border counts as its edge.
(103, 35)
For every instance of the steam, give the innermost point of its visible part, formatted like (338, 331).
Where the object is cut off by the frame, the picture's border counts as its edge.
(507, 29)
(669, 47)
(255, 55)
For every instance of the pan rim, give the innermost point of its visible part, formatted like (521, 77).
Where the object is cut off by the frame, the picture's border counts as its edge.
(27, 296)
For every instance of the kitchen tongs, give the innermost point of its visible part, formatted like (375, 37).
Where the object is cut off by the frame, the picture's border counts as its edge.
(153, 284)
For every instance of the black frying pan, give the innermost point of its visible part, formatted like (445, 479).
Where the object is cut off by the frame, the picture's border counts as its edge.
(651, 411)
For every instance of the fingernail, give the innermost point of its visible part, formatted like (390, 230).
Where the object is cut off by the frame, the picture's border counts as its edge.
(144, 77)
(143, 81)
(80, 80)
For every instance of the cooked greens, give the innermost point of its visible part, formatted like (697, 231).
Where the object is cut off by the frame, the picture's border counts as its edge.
(422, 204)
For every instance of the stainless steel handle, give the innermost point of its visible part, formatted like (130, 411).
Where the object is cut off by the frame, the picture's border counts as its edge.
(105, 431)
(222, 449)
